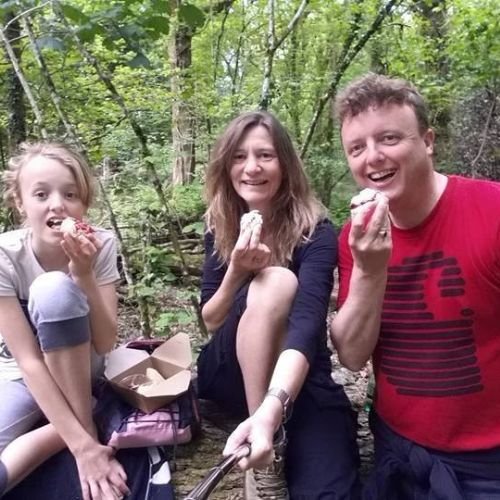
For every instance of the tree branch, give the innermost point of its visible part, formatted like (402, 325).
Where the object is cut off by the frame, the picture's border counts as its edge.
(292, 24)
(218, 43)
(348, 57)
(272, 47)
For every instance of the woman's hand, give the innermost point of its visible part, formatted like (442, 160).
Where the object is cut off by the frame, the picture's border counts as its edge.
(101, 476)
(370, 237)
(81, 250)
(259, 434)
(249, 254)
(257, 430)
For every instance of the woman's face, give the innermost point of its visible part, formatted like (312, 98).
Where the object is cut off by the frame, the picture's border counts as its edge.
(48, 194)
(256, 173)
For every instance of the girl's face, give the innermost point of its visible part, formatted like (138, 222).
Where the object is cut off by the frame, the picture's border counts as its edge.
(49, 193)
(256, 171)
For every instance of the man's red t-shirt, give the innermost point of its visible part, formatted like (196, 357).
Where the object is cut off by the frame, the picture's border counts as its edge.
(437, 361)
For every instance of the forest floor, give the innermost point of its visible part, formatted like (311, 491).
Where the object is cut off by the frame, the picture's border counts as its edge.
(192, 461)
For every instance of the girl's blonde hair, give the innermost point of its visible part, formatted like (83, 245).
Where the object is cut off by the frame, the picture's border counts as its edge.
(62, 153)
(295, 210)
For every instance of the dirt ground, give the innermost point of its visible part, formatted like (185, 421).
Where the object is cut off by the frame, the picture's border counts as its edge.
(190, 462)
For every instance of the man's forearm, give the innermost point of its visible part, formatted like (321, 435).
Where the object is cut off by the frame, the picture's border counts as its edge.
(355, 327)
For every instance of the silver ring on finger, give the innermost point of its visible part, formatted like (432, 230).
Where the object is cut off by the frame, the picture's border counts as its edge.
(383, 232)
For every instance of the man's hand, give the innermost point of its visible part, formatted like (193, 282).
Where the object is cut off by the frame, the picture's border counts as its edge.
(370, 237)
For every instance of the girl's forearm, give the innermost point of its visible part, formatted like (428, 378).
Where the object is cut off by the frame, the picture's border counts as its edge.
(103, 313)
(55, 407)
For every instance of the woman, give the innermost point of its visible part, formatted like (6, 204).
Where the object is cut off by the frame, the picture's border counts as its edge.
(265, 296)
(58, 310)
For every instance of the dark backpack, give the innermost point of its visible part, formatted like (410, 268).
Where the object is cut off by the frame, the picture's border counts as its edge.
(148, 477)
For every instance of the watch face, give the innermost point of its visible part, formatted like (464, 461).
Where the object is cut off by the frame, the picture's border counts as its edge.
(285, 400)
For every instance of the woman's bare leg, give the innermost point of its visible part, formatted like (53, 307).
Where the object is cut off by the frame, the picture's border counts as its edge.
(23, 455)
(262, 329)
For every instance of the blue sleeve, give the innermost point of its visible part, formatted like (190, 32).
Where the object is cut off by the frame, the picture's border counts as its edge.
(213, 271)
(313, 263)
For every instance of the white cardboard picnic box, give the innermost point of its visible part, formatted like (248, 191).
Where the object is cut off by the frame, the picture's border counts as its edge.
(172, 359)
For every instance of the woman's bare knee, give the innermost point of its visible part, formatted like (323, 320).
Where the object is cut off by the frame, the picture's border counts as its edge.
(272, 287)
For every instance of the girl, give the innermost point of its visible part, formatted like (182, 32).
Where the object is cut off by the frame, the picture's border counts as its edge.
(58, 312)
(265, 296)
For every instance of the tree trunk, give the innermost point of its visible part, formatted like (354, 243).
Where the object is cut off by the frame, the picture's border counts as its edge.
(15, 97)
(182, 117)
(435, 20)
(16, 66)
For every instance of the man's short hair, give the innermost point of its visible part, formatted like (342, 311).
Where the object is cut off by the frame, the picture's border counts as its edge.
(373, 90)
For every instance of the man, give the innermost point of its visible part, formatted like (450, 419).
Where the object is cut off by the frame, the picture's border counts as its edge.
(420, 290)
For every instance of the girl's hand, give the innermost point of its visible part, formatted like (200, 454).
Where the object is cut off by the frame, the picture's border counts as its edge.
(101, 476)
(81, 250)
(249, 254)
(370, 237)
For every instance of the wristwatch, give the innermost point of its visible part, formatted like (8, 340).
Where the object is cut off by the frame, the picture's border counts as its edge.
(285, 400)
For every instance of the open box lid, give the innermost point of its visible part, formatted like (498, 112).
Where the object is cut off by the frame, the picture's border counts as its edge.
(121, 359)
(175, 351)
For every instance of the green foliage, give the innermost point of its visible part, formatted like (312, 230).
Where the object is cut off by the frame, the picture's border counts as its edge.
(450, 52)
(191, 15)
(9, 6)
(187, 201)
(341, 200)
(50, 42)
(474, 44)
(331, 181)
(166, 320)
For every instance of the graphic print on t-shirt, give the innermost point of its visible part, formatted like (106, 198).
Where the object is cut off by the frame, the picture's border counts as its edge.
(422, 354)
(8, 365)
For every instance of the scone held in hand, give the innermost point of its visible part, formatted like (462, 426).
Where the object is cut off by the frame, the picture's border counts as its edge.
(70, 225)
(367, 195)
(251, 220)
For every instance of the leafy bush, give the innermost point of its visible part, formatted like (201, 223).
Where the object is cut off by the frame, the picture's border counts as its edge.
(332, 182)
(187, 202)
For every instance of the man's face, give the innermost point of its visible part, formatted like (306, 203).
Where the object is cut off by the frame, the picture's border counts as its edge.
(386, 151)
